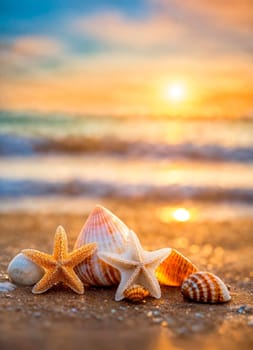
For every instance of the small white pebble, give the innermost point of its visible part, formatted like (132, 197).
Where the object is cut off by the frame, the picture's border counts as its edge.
(157, 319)
(156, 312)
(8, 296)
(182, 330)
(7, 287)
(122, 308)
(170, 320)
(197, 327)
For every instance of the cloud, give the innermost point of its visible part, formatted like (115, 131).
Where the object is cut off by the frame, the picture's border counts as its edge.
(116, 29)
(26, 54)
(175, 27)
(217, 24)
(235, 15)
(36, 46)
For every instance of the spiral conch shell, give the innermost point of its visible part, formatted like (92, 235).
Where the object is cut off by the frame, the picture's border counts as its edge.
(110, 234)
(136, 293)
(175, 269)
(205, 287)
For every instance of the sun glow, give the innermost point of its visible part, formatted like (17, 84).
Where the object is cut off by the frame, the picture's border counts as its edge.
(181, 214)
(169, 214)
(176, 92)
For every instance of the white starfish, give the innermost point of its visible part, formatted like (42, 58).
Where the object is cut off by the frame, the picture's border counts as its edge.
(136, 266)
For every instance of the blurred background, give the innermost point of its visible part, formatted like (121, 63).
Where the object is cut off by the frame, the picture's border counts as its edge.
(129, 101)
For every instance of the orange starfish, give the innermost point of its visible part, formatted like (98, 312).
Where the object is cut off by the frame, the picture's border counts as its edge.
(59, 267)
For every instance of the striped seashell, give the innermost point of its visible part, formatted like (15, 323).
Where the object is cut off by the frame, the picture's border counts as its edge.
(136, 293)
(175, 269)
(205, 287)
(110, 234)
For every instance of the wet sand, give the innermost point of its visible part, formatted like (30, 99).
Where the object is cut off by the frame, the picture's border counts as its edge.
(61, 319)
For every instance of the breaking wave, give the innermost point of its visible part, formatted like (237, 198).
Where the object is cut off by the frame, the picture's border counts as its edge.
(14, 145)
(100, 189)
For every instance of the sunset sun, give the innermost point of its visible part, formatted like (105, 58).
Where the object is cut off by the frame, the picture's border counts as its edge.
(176, 92)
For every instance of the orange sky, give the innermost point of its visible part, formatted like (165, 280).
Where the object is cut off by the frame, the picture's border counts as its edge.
(112, 60)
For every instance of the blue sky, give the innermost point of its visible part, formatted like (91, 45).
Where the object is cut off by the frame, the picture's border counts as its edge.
(19, 17)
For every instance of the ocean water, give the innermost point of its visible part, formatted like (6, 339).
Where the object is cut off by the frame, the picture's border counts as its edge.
(52, 158)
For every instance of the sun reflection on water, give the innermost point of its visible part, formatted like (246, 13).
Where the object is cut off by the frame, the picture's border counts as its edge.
(181, 214)
(168, 214)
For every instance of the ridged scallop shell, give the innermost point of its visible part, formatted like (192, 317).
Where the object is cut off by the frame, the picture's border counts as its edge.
(110, 234)
(136, 293)
(175, 269)
(205, 287)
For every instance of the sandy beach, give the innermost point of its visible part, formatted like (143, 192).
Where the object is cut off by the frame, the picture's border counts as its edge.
(60, 319)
